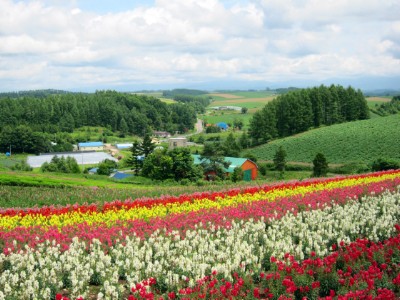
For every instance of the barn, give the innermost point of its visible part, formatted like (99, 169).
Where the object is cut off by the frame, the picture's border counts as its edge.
(250, 168)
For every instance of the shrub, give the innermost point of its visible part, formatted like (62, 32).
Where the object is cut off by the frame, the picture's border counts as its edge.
(320, 168)
(383, 164)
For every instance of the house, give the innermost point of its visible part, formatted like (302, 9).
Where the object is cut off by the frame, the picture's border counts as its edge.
(162, 134)
(222, 125)
(177, 142)
(249, 167)
(91, 146)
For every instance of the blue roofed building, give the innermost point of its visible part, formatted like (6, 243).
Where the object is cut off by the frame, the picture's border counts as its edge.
(91, 146)
(222, 125)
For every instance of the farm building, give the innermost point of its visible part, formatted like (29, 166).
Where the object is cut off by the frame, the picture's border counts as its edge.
(249, 167)
(82, 158)
(177, 142)
(222, 125)
(91, 146)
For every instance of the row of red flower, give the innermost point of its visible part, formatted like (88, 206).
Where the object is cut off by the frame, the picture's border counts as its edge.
(149, 202)
(20, 236)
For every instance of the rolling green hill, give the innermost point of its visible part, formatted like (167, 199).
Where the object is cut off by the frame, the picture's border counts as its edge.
(358, 141)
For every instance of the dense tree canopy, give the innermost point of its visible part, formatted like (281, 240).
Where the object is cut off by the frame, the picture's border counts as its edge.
(136, 114)
(120, 112)
(300, 110)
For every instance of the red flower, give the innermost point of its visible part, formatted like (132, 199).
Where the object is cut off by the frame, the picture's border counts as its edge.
(59, 297)
(256, 293)
(315, 284)
(171, 295)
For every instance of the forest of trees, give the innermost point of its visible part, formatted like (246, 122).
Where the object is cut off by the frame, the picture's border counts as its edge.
(126, 113)
(300, 110)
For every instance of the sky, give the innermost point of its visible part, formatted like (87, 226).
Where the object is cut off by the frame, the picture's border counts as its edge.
(88, 45)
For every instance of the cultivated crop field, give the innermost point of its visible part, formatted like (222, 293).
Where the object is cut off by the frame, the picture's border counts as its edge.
(317, 238)
(361, 141)
(253, 101)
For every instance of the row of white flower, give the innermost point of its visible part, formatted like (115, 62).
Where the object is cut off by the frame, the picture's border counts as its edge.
(173, 259)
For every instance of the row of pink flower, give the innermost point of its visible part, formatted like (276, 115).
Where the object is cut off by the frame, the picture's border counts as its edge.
(360, 270)
(20, 236)
(149, 202)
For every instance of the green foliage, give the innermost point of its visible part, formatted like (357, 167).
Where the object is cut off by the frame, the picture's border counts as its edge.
(188, 92)
(237, 174)
(244, 110)
(320, 165)
(213, 129)
(351, 168)
(280, 159)
(106, 167)
(262, 168)
(244, 141)
(147, 145)
(22, 166)
(183, 167)
(61, 165)
(388, 108)
(363, 141)
(135, 160)
(230, 147)
(176, 164)
(26, 122)
(382, 164)
(300, 110)
(213, 161)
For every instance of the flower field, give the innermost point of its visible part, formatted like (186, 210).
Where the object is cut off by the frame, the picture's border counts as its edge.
(335, 238)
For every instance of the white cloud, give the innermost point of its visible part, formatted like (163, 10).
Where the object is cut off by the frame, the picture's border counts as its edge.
(61, 44)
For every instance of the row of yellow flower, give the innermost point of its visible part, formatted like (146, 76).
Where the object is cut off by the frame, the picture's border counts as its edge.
(110, 217)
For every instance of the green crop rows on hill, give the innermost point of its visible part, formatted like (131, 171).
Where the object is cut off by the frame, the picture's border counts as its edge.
(360, 141)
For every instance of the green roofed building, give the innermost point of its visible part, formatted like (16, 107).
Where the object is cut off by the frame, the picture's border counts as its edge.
(249, 167)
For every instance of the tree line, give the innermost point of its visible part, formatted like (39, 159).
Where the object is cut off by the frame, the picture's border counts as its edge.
(120, 112)
(300, 110)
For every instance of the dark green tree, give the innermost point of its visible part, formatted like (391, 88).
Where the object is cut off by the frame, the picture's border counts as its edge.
(244, 110)
(320, 165)
(123, 128)
(106, 167)
(230, 146)
(147, 145)
(135, 161)
(237, 124)
(383, 164)
(61, 165)
(244, 140)
(280, 159)
(183, 166)
(157, 165)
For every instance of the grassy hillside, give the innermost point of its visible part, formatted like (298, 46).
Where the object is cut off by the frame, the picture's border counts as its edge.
(360, 141)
